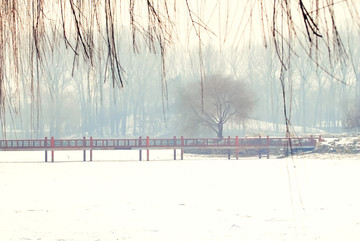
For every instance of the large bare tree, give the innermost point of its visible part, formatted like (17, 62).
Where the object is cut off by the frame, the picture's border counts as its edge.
(224, 99)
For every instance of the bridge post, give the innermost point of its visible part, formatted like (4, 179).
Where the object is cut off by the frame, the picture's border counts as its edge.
(52, 148)
(140, 151)
(268, 148)
(260, 147)
(229, 151)
(237, 147)
(91, 148)
(147, 150)
(175, 148)
(45, 144)
(182, 149)
(84, 144)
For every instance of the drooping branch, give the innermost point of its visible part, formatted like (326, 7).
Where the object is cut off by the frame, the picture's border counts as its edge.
(89, 28)
(116, 68)
(309, 22)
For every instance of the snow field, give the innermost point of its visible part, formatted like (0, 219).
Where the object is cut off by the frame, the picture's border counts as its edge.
(193, 199)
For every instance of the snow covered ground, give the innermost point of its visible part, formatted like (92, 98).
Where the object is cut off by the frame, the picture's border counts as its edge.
(303, 198)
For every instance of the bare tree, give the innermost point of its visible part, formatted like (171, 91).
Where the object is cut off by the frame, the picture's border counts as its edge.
(225, 99)
(352, 118)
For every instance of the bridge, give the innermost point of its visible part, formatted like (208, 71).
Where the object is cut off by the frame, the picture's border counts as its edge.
(235, 144)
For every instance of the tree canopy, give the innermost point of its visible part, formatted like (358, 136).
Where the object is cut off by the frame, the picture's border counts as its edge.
(224, 100)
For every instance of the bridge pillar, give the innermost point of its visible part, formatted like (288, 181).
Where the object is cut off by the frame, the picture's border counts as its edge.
(229, 151)
(182, 149)
(174, 148)
(91, 148)
(268, 149)
(147, 150)
(260, 148)
(52, 150)
(140, 151)
(237, 147)
(84, 144)
(45, 144)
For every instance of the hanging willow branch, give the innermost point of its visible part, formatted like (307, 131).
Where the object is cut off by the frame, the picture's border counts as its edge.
(310, 25)
(89, 27)
(116, 68)
(317, 24)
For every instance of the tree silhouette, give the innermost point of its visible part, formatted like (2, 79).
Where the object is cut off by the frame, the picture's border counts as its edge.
(224, 100)
(352, 118)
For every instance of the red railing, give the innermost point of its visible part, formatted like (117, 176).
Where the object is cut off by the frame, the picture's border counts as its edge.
(147, 143)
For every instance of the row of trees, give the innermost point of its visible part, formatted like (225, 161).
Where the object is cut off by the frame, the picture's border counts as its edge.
(35, 33)
(85, 101)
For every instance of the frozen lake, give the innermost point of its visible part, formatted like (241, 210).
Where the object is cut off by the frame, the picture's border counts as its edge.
(194, 199)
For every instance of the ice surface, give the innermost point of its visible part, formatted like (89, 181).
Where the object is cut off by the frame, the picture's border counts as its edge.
(302, 198)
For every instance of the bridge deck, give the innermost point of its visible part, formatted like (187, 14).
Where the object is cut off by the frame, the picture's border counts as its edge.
(147, 143)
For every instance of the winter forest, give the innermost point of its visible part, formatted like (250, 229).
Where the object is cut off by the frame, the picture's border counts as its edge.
(134, 86)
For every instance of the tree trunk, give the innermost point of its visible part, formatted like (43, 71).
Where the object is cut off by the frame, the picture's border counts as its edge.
(220, 129)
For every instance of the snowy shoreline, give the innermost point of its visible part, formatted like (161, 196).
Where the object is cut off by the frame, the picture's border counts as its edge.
(295, 198)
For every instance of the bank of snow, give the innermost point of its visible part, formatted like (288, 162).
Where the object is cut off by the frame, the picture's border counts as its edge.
(195, 199)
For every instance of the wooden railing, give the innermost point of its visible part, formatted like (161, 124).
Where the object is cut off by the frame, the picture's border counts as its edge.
(84, 144)
(147, 143)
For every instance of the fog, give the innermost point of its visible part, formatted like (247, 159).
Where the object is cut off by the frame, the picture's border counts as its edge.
(86, 103)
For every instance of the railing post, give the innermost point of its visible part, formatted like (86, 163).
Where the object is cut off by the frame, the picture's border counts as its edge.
(147, 150)
(182, 149)
(237, 147)
(91, 148)
(45, 145)
(84, 144)
(260, 147)
(287, 146)
(140, 151)
(229, 151)
(174, 148)
(268, 147)
(52, 148)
